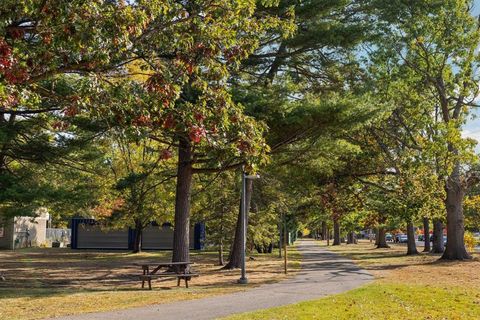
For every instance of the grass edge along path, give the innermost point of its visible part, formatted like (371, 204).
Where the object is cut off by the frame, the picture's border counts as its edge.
(381, 301)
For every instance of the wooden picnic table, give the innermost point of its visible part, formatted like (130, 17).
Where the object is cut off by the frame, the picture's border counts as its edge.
(180, 270)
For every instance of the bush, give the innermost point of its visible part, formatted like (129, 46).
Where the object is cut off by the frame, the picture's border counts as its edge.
(470, 241)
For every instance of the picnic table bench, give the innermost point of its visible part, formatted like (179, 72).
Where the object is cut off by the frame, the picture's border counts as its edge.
(179, 270)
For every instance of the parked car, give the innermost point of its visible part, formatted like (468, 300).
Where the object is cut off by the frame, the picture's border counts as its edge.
(403, 238)
(389, 237)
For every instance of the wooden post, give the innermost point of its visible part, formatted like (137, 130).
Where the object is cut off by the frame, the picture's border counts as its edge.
(285, 241)
(280, 239)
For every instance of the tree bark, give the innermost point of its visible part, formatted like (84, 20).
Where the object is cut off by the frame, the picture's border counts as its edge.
(324, 230)
(426, 234)
(181, 232)
(221, 261)
(137, 244)
(411, 245)
(455, 249)
(351, 239)
(220, 253)
(277, 62)
(328, 236)
(235, 257)
(336, 233)
(377, 237)
(438, 246)
(382, 242)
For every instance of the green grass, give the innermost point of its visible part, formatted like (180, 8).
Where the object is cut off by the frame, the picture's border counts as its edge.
(406, 287)
(382, 301)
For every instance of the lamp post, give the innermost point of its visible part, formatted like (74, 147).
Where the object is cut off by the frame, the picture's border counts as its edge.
(243, 210)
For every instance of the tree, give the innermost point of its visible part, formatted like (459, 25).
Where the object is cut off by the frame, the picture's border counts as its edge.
(183, 54)
(341, 199)
(436, 42)
(215, 202)
(47, 49)
(282, 81)
(140, 171)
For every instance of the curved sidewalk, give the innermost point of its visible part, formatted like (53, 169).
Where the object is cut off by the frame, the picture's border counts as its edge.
(322, 273)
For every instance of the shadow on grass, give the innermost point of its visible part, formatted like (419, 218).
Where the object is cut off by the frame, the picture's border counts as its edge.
(8, 293)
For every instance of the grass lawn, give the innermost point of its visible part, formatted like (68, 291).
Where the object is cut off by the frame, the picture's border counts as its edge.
(52, 282)
(414, 287)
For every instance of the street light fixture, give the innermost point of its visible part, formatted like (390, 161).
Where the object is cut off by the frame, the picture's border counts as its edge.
(243, 211)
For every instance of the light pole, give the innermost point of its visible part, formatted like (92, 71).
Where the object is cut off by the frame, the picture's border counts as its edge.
(243, 210)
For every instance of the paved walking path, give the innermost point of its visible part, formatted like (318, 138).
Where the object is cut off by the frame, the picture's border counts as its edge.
(323, 273)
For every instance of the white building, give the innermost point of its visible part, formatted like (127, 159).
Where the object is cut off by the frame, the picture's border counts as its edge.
(21, 232)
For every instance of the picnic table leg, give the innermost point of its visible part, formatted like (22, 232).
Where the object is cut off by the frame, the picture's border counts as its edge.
(145, 270)
(178, 282)
(143, 282)
(149, 283)
(186, 282)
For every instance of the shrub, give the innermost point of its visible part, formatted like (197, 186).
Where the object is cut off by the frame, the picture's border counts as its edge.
(470, 241)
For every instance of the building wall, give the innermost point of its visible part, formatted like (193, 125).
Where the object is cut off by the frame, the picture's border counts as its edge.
(15, 232)
(161, 238)
(37, 229)
(6, 237)
(93, 237)
(87, 234)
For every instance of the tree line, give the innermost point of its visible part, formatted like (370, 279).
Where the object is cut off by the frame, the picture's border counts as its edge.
(141, 111)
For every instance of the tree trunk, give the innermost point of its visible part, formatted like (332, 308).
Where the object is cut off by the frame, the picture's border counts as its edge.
(377, 237)
(438, 246)
(382, 242)
(220, 253)
(351, 238)
(328, 236)
(426, 234)
(221, 262)
(137, 244)
(324, 230)
(336, 233)
(411, 245)
(235, 257)
(181, 234)
(455, 249)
